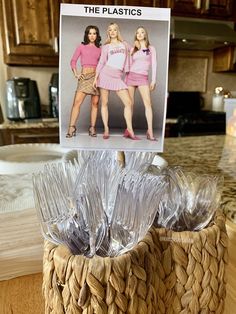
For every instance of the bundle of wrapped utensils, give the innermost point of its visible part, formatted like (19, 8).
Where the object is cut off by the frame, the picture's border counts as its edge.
(96, 205)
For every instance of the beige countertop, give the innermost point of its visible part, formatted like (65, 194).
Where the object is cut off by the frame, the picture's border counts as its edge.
(34, 123)
(214, 154)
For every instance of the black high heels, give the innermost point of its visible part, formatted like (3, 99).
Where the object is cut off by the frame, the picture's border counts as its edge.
(92, 131)
(72, 133)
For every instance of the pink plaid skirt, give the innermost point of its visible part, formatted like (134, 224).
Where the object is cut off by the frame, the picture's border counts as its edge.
(111, 79)
(85, 84)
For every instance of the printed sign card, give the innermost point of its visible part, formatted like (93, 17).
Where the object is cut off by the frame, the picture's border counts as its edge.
(113, 76)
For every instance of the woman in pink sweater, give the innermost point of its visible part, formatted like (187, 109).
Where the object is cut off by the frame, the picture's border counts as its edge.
(113, 63)
(88, 52)
(143, 57)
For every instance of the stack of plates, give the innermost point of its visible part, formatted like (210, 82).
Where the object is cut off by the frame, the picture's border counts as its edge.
(28, 158)
(17, 163)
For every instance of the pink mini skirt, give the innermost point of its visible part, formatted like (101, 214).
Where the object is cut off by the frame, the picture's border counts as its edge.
(111, 79)
(135, 79)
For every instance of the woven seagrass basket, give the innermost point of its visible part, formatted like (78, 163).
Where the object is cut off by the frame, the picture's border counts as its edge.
(167, 272)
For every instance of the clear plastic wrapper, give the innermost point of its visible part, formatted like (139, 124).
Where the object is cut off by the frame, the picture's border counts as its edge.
(94, 205)
(190, 200)
(83, 203)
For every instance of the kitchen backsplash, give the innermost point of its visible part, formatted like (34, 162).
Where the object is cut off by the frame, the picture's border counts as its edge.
(192, 71)
(188, 71)
(183, 76)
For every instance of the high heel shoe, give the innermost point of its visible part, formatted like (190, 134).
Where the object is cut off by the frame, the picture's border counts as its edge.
(127, 134)
(106, 136)
(150, 138)
(92, 131)
(73, 133)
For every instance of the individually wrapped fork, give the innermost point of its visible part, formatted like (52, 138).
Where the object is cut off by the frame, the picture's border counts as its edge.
(131, 219)
(190, 200)
(89, 204)
(134, 160)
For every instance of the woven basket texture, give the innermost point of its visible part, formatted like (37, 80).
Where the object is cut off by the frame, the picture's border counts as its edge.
(167, 272)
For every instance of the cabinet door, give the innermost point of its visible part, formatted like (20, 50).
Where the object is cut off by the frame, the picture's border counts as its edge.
(34, 135)
(185, 7)
(223, 59)
(141, 3)
(220, 9)
(30, 31)
(96, 2)
(23, 138)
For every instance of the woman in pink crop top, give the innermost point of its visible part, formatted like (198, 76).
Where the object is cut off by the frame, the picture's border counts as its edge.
(88, 52)
(143, 57)
(112, 64)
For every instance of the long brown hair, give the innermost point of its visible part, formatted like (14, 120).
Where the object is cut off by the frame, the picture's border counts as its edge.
(86, 39)
(146, 39)
(108, 40)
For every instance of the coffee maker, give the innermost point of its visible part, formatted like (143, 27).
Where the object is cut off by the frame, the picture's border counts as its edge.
(23, 100)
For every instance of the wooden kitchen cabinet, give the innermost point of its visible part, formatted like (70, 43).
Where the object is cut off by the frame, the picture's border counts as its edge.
(30, 28)
(143, 3)
(184, 7)
(30, 32)
(224, 59)
(29, 135)
(218, 9)
(95, 2)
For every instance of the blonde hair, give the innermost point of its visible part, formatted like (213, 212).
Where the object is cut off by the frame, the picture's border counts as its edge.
(146, 39)
(108, 40)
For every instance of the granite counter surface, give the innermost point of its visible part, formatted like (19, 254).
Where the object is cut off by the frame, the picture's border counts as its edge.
(43, 123)
(214, 154)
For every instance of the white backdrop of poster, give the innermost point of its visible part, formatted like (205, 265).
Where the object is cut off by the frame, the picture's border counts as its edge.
(74, 20)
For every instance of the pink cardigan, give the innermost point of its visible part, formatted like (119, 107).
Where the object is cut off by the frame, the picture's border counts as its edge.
(142, 62)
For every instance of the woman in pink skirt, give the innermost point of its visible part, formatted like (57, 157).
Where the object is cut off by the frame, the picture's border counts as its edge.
(143, 57)
(113, 63)
(88, 52)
